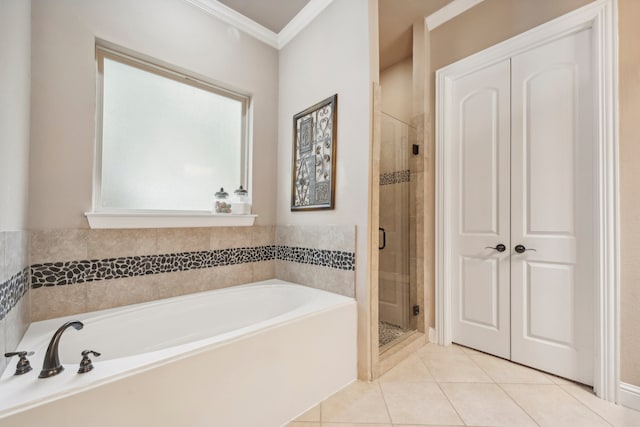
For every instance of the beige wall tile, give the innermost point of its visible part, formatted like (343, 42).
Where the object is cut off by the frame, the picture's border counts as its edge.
(263, 235)
(103, 244)
(324, 278)
(174, 240)
(330, 237)
(105, 294)
(58, 245)
(16, 256)
(3, 346)
(49, 302)
(17, 322)
(264, 270)
(185, 282)
(4, 274)
(231, 275)
(230, 237)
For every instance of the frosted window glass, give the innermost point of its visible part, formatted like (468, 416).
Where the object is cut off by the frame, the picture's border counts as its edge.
(166, 145)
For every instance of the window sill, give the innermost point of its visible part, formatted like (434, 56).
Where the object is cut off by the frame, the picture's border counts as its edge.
(167, 219)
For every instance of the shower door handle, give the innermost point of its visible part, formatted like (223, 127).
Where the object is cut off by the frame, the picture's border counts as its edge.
(384, 238)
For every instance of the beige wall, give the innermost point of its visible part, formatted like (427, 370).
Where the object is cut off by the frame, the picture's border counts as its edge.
(64, 80)
(15, 63)
(396, 83)
(332, 56)
(489, 23)
(493, 21)
(629, 17)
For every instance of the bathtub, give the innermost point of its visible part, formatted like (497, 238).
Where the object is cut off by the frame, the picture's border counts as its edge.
(253, 355)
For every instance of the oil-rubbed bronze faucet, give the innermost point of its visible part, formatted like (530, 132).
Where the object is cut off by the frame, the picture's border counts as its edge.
(51, 365)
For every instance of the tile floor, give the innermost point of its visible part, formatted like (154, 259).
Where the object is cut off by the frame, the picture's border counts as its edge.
(455, 386)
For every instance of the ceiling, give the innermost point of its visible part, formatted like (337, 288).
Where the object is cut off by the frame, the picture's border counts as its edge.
(272, 14)
(395, 20)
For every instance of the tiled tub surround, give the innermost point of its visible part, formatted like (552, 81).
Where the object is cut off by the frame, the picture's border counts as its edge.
(300, 242)
(126, 266)
(14, 290)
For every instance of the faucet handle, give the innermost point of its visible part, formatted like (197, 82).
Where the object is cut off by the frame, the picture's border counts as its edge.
(85, 364)
(23, 366)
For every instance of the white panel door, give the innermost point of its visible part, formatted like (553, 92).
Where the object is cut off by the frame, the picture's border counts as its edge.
(479, 153)
(552, 282)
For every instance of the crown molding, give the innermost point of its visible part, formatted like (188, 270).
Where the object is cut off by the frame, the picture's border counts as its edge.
(449, 12)
(301, 20)
(265, 35)
(238, 20)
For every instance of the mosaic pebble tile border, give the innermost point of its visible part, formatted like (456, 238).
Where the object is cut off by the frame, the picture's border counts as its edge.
(322, 257)
(12, 291)
(396, 177)
(74, 272)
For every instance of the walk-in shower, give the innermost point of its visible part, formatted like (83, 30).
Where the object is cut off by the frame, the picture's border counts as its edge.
(396, 290)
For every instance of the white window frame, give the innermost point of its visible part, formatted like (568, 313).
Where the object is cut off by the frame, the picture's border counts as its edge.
(137, 218)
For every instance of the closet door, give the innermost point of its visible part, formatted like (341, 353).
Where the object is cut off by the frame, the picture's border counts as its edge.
(552, 281)
(478, 140)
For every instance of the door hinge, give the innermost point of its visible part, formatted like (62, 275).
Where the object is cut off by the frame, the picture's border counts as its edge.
(416, 310)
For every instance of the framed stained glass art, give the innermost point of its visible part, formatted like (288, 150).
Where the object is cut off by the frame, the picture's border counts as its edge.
(314, 156)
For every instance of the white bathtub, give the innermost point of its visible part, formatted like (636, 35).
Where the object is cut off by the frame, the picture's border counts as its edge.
(253, 355)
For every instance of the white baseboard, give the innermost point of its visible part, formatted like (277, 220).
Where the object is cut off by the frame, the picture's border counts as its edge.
(432, 335)
(629, 396)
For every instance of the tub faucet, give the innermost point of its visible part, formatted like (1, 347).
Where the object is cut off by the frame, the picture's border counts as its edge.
(51, 365)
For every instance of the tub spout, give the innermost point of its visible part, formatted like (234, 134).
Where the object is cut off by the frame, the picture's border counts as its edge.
(51, 365)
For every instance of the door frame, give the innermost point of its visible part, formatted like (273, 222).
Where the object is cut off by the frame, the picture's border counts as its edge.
(601, 17)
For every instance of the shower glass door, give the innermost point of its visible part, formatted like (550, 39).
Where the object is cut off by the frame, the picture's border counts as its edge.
(394, 284)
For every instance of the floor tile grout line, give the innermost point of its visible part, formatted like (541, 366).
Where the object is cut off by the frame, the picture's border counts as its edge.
(426, 367)
(517, 404)
(444, 393)
(384, 399)
(483, 370)
(584, 404)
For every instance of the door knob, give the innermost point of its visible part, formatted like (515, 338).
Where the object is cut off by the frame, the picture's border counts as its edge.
(499, 247)
(521, 249)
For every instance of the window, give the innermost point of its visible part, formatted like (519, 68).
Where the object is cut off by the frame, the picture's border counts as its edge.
(165, 141)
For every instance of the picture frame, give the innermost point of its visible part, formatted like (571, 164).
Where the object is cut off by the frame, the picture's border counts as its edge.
(313, 176)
